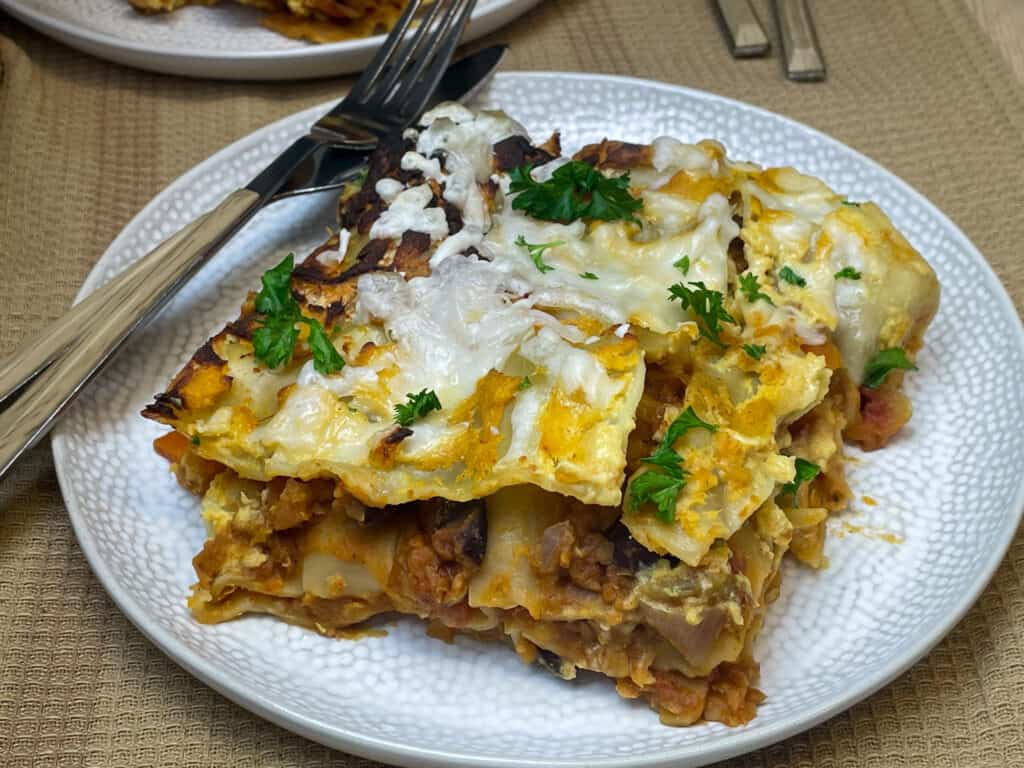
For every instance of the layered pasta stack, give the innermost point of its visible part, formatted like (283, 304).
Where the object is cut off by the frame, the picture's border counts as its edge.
(583, 405)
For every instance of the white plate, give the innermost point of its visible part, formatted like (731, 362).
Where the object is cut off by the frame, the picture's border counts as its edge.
(950, 487)
(226, 41)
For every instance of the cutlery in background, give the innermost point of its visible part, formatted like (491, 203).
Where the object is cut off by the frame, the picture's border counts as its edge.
(801, 54)
(742, 28)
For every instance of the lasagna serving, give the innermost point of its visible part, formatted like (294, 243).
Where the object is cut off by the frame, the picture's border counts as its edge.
(584, 405)
(317, 21)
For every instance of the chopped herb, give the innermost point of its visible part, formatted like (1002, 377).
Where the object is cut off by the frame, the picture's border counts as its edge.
(360, 178)
(525, 383)
(683, 423)
(352, 410)
(805, 472)
(195, 439)
(756, 351)
(576, 190)
(752, 290)
(878, 367)
(537, 252)
(660, 488)
(275, 297)
(847, 273)
(791, 277)
(707, 305)
(683, 265)
(589, 276)
(325, 357)
(274, 341)
(662, 483)
(416, 407)
(850, 203)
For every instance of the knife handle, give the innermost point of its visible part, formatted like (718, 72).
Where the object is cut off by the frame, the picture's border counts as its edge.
(800, 50)
(35, 354)
(743, 30)
(126, 304)
(54, 341)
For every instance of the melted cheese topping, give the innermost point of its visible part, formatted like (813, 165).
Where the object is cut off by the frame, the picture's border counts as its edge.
(539, 372)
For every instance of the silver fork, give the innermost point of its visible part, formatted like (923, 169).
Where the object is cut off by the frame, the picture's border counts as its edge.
(390, 95)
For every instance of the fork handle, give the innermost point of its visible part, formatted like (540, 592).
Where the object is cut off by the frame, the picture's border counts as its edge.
(131, 303)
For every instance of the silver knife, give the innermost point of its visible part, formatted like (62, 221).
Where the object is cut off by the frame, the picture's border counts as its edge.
(801, 52)
(92, 330)
(742, 28)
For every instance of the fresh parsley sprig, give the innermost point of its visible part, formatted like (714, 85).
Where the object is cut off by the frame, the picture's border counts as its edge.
(756, 351)
(416, 407)
(792, 277)
(536, 252)
(847, 273)
(683, 264)
(576, 190)
(707, 305)
(752, 289)
(662, 483)
(805, 472)
(589, 276)
(659, 488)
(879, 366)
(274, 341)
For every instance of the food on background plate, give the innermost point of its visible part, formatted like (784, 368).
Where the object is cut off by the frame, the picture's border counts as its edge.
(584, 404)
(317, 21)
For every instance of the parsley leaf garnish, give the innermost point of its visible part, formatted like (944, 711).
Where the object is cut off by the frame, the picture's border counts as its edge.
(683, 265)
(756, 351)
(791, 277)
(805, 472)
(576, 190)
(848, 273)
(706, 304)
(325, 357)
(662, 483)
(195, 439)
(850, 203)
(536, 252)
(682, 424)
(416, 407)
(886, 360)
(752, 290)
(589, 276)
(660, 488)
(525, 383)
(275, 297)
(274, 341)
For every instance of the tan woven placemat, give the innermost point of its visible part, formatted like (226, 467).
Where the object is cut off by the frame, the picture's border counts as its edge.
(84, 144)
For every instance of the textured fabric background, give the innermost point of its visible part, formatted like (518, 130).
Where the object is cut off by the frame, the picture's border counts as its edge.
(85, 144)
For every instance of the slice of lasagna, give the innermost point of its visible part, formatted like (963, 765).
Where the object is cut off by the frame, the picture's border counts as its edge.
(317, 21)
(585, 405)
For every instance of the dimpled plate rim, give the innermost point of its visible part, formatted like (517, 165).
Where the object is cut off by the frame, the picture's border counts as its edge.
(729, 744)
(297, 59)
